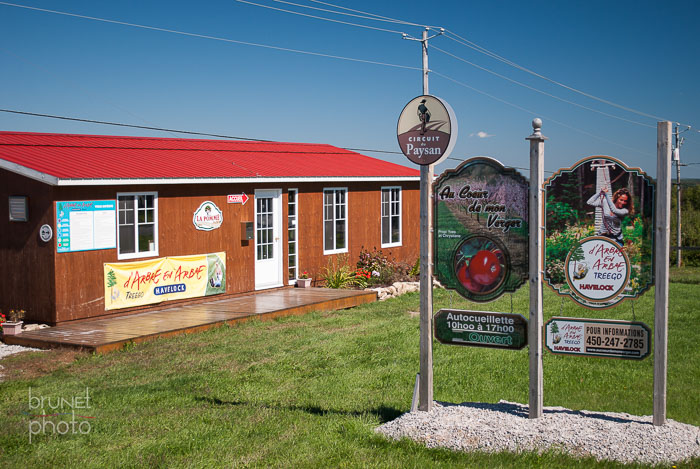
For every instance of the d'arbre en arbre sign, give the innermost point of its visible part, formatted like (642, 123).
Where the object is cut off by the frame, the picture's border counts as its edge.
(599, 236)
(597, 271)
(598, 338)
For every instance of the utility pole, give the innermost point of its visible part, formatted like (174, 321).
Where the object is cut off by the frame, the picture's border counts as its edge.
(677, 160)
(425, 384)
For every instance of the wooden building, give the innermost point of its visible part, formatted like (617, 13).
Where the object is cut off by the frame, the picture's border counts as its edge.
(77, 207)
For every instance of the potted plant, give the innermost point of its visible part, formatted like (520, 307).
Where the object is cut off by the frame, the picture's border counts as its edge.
(13, 324)
(304, 281)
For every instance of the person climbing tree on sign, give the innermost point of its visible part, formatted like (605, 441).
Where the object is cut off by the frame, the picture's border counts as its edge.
(614, 210)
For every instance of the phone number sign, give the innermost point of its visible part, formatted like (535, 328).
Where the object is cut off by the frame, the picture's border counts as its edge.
(598, 338)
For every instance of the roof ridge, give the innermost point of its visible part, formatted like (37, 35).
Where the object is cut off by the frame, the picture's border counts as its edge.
(183, 139)
(340, 150)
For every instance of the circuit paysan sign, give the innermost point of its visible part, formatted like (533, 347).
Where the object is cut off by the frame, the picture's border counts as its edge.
(129, 284)
(598, 338)
(427, 130)
(599, 232)
(241, 198)
(207, 217)
(481, 329)
(481, 229)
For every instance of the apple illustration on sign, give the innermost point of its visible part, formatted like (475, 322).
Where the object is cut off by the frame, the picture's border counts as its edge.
(484, 267)
(479, 265)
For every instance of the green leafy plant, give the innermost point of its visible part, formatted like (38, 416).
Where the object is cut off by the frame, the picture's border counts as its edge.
(338, 273)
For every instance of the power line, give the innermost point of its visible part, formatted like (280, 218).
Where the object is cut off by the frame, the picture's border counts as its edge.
(134, 126)
(535, 113)
(318, 17)
(379, 17)
(493, 55)
(161, 129)
(215, 38)
(540, 91)
(364, 16)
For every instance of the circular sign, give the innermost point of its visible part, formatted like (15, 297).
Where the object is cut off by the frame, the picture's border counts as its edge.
(480, 266)
(598, 270)
(45, 233)
(427, 130)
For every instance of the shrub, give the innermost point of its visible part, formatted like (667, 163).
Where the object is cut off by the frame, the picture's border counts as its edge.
(339, 274)
(380, 267)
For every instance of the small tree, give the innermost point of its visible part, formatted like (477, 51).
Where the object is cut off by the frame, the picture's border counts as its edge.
(111, 279)
(554, 328)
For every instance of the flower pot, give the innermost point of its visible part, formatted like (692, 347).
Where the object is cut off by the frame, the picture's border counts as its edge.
(303, 282)
(12, 328)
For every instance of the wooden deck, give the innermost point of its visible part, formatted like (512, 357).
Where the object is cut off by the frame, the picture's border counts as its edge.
(107, 334)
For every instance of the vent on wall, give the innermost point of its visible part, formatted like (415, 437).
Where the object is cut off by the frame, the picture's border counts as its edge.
(18, 208)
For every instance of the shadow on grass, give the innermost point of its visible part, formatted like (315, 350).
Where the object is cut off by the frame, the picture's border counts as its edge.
(383, 413)
(522, 410)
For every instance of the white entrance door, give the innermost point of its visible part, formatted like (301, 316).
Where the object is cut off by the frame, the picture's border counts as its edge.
(268, 239)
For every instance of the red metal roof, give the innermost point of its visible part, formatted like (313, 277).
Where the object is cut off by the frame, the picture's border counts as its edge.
(77, 157)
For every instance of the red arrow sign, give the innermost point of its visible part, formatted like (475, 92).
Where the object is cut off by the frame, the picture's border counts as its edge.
(237, 198)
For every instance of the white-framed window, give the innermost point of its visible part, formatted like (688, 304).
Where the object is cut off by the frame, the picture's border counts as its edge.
(391, 216)
(292, 235)
(335, 221)
(137, 224)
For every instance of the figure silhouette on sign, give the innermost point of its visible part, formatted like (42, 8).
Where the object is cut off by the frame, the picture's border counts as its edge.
(423, 116)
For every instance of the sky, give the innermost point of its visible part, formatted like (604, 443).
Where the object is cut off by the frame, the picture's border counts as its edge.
(602, 73)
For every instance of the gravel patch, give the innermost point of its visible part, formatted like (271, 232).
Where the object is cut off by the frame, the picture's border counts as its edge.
(506, 427)
(6, 350)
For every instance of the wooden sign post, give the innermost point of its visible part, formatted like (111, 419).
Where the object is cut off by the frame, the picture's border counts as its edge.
(662, 251)
(536, 226)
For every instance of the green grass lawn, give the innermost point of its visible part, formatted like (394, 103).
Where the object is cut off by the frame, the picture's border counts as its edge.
(309, 391)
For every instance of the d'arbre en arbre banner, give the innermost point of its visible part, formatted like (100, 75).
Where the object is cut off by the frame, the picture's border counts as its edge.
(129, 284)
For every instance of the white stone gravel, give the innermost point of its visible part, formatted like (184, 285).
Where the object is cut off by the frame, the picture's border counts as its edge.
(506, 427)
(6, 350)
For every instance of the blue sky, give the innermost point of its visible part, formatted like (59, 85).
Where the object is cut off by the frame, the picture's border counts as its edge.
(640, 55)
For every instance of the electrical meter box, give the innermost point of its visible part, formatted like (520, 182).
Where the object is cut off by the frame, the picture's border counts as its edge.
(247, 232)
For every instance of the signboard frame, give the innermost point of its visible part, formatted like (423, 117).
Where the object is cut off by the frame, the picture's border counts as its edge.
(481, 229)
(491, 324)
(74, 217)
(427, 130)
(583, 325)
(599, 196)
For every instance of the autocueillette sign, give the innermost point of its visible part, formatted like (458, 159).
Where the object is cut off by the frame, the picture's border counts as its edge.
(481, 329)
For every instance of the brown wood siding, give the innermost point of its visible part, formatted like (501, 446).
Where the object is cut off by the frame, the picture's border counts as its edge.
(69, 286)
(364, 224)
(26, 262)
